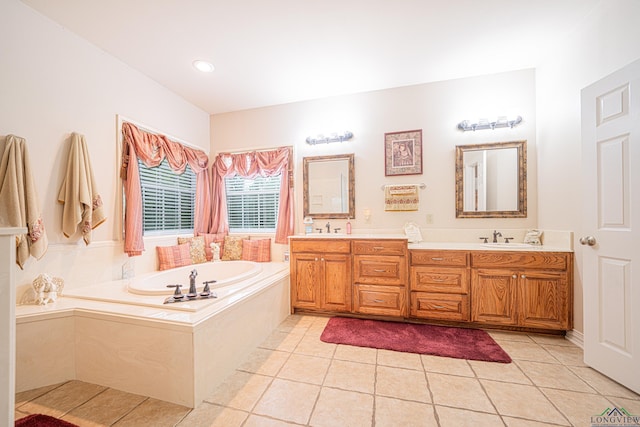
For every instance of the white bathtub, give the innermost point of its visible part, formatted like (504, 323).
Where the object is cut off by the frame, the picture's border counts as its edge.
(224, 273)
(232, 278)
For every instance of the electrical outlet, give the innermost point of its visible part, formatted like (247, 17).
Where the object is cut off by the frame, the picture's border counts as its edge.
(429, 218)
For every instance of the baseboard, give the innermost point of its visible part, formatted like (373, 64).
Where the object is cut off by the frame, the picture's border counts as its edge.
(575, 337)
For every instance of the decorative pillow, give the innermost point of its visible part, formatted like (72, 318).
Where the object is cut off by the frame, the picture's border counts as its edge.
(196, 248)
(232, 248)
(173, 256)
(258, 250)
(211, 238)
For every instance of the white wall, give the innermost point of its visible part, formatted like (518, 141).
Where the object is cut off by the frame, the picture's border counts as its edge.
(436, 108)
(607, 41)
(53, 83)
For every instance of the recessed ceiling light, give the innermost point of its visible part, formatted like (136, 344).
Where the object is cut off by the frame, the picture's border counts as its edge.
(204, 66)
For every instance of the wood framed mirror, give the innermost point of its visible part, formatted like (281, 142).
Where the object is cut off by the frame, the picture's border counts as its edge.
(491, 180)
(329, 186)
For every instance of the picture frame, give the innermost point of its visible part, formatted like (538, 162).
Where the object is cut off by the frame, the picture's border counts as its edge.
(403, 153)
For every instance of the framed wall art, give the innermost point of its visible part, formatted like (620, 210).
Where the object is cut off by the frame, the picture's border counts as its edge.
(403, 153)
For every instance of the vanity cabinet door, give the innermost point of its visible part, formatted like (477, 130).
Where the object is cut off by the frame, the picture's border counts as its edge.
(321, 275)
(306, 282)
(493, 296)
(544, 300)
(336, 290)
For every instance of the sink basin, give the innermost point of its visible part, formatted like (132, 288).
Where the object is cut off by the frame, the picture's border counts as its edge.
(507, 245)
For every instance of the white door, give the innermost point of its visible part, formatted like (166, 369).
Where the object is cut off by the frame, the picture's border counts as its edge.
(611, 227)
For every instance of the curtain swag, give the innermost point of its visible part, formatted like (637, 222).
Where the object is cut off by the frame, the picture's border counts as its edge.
(250, 165)
(152, 149)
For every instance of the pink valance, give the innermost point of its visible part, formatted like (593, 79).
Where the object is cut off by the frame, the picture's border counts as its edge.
(152, 149)
(250, 165)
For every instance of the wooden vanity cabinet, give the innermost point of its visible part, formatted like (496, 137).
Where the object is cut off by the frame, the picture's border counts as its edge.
(380, 277)
(439, 285)
(526, 289)
(321, 275)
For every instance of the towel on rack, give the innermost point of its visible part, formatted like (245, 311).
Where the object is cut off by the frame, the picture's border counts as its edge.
(82, 204)
(401, 197)
(19, 200)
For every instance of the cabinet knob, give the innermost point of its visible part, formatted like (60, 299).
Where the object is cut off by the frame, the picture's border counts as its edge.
(515, 276)
(523, 276)
(316, 258)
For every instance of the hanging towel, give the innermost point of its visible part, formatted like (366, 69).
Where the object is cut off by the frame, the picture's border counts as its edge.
(401, 197)
(82, 204)
(19, 200)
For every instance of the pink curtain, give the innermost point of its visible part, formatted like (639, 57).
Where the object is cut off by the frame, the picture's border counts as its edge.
(250, 165)
(152, 149)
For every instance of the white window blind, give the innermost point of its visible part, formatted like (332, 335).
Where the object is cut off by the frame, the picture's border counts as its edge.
(168, 199)
(252, 204)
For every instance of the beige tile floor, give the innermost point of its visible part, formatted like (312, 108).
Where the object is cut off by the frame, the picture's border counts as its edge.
(295, 379)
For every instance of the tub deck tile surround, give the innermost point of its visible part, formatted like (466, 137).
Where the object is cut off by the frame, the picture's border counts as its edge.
(503, 394)
(150, 350)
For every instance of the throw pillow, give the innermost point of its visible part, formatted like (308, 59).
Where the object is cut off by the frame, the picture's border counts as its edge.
(258, 250)
(211, 238)
(196, 248)
(232, 248)
(173, 256)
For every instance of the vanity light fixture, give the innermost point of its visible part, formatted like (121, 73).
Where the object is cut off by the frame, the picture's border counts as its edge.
(501, 122)
(203, 66)
(334, 137)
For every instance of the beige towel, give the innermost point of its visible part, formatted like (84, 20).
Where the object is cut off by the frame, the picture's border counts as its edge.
(19, 200)
(401, 197)
(82, 204)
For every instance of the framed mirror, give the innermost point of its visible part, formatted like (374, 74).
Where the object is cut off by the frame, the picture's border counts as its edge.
(491, 180)
(329, 186)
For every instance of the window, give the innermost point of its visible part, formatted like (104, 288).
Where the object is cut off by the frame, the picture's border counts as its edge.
(252, 204)
(168, 199)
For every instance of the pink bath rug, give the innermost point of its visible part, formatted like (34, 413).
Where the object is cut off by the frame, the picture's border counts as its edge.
(459, 343)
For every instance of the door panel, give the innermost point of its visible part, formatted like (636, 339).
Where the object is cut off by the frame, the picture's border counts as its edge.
(611, 209)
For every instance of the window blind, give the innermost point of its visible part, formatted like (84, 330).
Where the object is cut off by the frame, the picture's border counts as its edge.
(252, 204)
(168, 199)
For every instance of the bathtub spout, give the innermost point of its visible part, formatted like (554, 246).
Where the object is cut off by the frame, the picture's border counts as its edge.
(193, 292)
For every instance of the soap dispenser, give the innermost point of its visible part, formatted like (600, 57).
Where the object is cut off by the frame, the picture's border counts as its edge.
(348, 226)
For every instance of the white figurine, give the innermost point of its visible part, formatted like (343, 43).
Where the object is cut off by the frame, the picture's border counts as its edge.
(47, 288)
(215, 250)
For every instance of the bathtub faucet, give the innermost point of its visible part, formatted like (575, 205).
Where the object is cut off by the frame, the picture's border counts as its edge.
(192, 283)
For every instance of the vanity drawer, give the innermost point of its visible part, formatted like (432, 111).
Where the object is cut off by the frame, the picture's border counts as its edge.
(381, 270)
(321, 245)
(430, 257)
(440, 306)
(440, 279)
(520, 260)
(380, 247)
(382, 300)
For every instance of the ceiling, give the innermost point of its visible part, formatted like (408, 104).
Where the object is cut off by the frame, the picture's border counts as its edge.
(280, 51)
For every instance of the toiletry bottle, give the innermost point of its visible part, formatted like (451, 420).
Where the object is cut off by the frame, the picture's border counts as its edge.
(348, 226)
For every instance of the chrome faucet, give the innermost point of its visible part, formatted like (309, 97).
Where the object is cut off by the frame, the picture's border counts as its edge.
(192, 283)
(496, 234)
(328, 227)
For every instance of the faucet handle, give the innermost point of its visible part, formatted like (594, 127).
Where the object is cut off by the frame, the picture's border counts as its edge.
(177, 294)
(335, 230)
(506, 239)
(486, 239)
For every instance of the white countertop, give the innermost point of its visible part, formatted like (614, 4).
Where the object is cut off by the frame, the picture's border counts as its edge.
(348, 236)
(486, 247)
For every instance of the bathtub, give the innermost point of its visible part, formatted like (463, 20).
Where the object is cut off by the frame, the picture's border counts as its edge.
(150, 289)
(120, 334)
(224, 273)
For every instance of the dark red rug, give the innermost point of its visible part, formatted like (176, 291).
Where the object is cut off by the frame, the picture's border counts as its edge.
(40, 420)
(460, 343)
